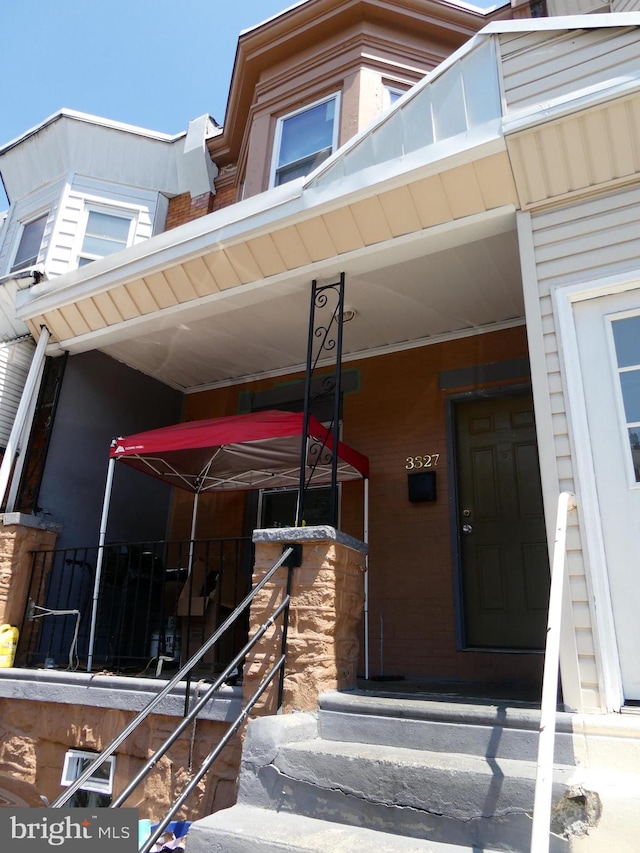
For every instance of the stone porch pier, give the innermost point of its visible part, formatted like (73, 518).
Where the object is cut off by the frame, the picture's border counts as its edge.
(325, 616)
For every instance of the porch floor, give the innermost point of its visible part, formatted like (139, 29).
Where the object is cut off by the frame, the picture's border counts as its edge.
(512, 693)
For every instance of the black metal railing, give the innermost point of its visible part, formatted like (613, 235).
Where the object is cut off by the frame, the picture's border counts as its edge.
(290, 558)
(152, 611)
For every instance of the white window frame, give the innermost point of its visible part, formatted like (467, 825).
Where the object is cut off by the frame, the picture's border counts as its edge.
(616, 371)
(335, 96)
(121, 212)
(73, 767)
(22, 226)
(388, 89)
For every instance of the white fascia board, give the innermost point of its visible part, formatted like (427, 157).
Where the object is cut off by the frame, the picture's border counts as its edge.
(225, 226)
(91, 119)
(433, 159)
(246, 219)
(563, 22)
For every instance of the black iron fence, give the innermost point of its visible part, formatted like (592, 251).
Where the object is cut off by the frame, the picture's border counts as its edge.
(157, 602)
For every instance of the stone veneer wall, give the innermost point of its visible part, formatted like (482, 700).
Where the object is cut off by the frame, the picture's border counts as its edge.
(325, 616)
(35, 735)
(19, 534)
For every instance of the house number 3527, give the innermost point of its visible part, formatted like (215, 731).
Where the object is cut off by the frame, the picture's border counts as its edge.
(430, 460)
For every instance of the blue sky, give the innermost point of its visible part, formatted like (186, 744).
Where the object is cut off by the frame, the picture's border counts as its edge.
(152, 63)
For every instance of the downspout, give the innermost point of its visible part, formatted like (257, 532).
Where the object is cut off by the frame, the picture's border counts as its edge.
(30, 390)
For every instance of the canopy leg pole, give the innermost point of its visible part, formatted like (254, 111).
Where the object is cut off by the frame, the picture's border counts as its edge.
(96, 582)
(366, 579)
(194, 518)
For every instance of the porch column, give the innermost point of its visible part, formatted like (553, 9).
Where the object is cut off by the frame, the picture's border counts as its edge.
(325, 616)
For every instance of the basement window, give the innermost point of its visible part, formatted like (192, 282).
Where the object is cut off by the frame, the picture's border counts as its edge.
(97, 789)
(304, 139)
(30, 243)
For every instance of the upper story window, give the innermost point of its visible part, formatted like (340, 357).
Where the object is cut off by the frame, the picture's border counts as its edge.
(104, 234)
(30, 243)
(390, 95)
(304, 139)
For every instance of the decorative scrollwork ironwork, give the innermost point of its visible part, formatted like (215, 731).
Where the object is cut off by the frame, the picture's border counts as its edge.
(324, 342)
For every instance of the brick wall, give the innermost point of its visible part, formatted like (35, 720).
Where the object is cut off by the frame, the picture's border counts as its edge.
(398, 411)
(183, 208)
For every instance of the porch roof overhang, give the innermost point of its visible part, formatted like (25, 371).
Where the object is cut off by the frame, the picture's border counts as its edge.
(423, 227)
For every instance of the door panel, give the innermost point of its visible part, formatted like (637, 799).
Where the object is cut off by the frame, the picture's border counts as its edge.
(503, 546)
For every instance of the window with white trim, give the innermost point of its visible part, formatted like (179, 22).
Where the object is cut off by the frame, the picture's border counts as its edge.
(626, 337)
(30, 243)
(97, 789)
(390, 95)
(104, 234)
(304, 139)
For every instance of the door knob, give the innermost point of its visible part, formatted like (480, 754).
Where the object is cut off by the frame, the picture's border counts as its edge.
(467, 528)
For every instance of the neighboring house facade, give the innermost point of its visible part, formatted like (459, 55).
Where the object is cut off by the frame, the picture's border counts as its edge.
(485, 219)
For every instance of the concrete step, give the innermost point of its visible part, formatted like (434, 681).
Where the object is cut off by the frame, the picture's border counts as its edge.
(247, 829)
(488, 730)
(450, 798)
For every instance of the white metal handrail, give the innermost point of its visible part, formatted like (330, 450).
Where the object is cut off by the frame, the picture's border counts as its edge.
(544, 771)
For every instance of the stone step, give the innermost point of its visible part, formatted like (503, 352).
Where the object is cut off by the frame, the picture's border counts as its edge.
(488, 730)
(449, 798)
(247, 829)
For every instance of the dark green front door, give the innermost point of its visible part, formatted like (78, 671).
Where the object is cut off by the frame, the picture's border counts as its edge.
(503, 548)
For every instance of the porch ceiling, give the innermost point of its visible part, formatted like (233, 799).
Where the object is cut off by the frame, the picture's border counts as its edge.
(426, 254)
(424, 295)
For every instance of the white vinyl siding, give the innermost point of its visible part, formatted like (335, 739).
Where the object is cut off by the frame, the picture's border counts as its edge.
(15, 360)
(583, 242)
(541, 66)
(83, 194)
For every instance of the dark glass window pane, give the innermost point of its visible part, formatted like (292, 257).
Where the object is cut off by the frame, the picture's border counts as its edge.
(630, 384)
(30, 242)
(626, 334)
(302, 167)
(306, 133)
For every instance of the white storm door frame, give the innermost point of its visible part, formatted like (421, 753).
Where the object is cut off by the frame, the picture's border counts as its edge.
(564, 298)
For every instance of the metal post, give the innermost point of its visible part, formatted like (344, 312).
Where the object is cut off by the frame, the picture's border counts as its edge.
(305, 416)
(96, 582)
(329, 341)
(366, 579)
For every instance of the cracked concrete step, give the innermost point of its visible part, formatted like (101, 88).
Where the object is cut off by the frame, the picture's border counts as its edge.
(247, 829)
(492, 731)
(450, 798)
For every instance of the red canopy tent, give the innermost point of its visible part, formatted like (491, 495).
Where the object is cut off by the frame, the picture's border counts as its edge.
(254, 451)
